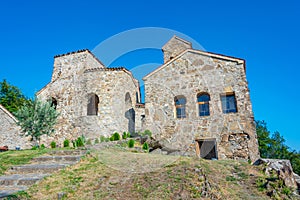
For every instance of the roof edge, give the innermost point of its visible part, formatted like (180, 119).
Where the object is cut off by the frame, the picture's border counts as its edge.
(8, 113)
(80, 51)
(214, 55)
(178, 38)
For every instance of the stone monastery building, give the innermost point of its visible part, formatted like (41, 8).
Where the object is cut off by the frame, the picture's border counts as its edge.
(196, 101)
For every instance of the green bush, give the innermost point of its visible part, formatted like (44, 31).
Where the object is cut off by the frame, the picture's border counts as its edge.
(128, 135)
(124, 136)
(145, 146)
(80, 141)
(96, 141)
(131, 143)
(53, 144)
(116, 136)
(66, 143)
(43, 146)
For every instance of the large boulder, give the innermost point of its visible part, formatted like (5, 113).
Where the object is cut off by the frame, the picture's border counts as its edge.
(282, 167)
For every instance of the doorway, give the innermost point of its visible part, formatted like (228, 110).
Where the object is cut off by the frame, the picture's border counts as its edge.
(207, 148)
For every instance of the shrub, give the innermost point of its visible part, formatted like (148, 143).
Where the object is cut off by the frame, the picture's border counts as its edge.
(128, 135)
(53, 144)
(147, 132)
(96, 141)
(116, 136)
(124, 136)
(66, 143)
(89, 142)
(131, 143)
(80, 141)
(145, 146)
(43, 146)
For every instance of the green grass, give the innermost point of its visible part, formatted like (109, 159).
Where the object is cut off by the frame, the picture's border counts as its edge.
(11, 158)
(117, 174)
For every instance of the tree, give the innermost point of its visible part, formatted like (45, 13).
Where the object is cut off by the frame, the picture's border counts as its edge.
(11, 97)
(273, 146)
(36, 119)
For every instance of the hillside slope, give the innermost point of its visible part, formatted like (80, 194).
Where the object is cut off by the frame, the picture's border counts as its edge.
(115, 173)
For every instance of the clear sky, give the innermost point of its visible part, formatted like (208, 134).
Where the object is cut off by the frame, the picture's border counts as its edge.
(264, 33)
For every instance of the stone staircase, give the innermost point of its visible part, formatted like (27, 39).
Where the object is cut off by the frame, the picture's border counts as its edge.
(21, 177)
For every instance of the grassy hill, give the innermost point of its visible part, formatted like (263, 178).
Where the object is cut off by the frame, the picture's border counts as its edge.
(116, 173)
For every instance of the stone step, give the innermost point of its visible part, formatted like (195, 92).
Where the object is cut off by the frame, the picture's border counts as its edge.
(67, 152)
(43, 159)
(21, 179)
(9, 190)
(38, 168)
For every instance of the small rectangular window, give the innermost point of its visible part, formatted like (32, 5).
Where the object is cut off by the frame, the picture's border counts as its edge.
(228, 103)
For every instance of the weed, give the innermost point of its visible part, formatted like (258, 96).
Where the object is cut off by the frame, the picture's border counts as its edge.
(230, 178)
(89, 142)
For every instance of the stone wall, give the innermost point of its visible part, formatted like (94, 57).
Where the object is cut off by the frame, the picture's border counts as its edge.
(174, 47)
(190, 74)
(75, 77)
(10, 132)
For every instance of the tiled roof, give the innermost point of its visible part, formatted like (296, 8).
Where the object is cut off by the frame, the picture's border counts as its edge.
(106, 69)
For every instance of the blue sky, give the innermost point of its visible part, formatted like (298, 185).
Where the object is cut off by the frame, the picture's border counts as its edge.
(265, 33)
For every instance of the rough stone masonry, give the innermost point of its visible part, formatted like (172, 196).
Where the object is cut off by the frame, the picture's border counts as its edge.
(196, 102)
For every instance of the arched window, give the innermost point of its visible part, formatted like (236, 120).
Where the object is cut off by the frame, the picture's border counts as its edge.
(203, 104)
(228, 103)
(180, 102)
(54, 102)
(93, 102)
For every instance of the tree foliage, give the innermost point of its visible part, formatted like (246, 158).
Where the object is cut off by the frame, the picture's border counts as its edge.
(11, 97)
(36, 119)
(273, 146)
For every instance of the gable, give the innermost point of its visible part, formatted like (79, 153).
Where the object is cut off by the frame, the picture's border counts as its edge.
(198, 52)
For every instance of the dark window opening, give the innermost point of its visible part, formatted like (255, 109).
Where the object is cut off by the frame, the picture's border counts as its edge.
(180, 102)
(203, 104)
(137, 97)
(54, 103)
(93, 102)
(228, 103)
(208, 148)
